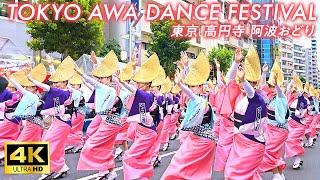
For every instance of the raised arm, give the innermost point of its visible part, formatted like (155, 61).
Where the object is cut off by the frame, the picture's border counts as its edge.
(231, 75)
(50, 63)
(183, 87)
(248, 89)
(87, 78)
(289, 86)
(246, 85)
(17, 85)
(219, 77)
(41, 85)
(88, 85)
(263, 79)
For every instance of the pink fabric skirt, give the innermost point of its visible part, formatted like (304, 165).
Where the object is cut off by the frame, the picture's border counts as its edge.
(164, 136)
(183, 135)
(122, 135)
(137, 160)
(318, 122)
(157, 144)
(244, 159)
(173, 123)
(313, 128)
(31, 132)
(93, 126)
(56, 136)
(131, 132)
(216, 128)
(97, 153)
(9, 131)
(293, 146)
(308, 123)
(275, 139)
(224, 143)
(75, 136)
(193, 160)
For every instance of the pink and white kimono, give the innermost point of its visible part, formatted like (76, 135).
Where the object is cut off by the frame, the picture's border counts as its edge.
(194, 159)
(9, 127)
(276, 132)
(248, 145)
(296, 127)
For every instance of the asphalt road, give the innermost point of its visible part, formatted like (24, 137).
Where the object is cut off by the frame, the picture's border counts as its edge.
(310, 170)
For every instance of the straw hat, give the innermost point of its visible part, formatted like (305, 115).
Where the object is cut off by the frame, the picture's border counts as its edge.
(199, 71)
(127, 72)
(252, 65)
(276, 72)
(17, 76)
(298, 83)
(306, 87)
(160, 78)
(148, 71)
(312, 91)
(38, 73)
(64, 71)
(76, 79)
(108, 66)
(176, 89)
(166, 86)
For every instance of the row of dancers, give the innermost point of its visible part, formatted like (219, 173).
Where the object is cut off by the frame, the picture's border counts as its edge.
(240, 125)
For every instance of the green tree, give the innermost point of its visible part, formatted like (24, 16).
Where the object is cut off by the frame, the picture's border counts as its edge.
(67, 38)
(223, 55)
(111, 45)
(168, 49)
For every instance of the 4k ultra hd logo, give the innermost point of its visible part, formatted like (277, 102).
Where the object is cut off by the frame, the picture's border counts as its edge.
(27, 158)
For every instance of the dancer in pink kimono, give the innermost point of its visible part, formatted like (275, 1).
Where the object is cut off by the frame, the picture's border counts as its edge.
(194, 159)
(165, 133)
(248, 145)
(97, 152)
(160, 112)
(176, 112)
(315, 122)
(225, 100)
(310, 117)
(125, 75)
(9, 128)
(75, 138)
(137, 159)
(276, 132)
(296, 124)
(57, 101)
(30, 105)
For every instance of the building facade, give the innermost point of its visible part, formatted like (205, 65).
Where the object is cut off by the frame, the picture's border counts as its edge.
(299, 59)
(286, 57)
(314, 63)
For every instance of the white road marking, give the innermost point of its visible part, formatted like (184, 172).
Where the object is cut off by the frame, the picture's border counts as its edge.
(121, 167)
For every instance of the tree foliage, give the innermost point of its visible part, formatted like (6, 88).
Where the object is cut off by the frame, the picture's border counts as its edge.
(223, 55)
(303, 80)
(168, 49)
(67, 38)
(111, 45)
